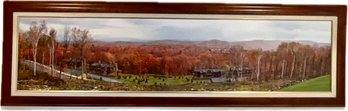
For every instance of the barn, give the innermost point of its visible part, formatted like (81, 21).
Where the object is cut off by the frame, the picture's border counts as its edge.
(208, 73)
(221, 75)
(101, 68)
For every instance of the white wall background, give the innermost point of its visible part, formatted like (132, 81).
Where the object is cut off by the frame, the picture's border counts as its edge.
(341, 2)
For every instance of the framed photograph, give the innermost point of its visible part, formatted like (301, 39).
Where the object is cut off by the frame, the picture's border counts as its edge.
(173, 54)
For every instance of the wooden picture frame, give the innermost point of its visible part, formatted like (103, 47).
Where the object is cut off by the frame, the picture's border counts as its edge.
(336, 11)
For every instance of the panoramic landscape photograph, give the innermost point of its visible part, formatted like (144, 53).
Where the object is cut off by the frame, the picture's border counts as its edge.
(154, 54)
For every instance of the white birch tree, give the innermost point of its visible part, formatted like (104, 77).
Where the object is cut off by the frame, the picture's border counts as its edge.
(258, 67)
(36, 31)
(51, 44)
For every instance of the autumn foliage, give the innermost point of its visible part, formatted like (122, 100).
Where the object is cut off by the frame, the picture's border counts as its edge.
(290, 60)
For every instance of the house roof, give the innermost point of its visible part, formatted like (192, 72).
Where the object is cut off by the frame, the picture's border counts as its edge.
(240, 68)
(209, 70)
(101, 65)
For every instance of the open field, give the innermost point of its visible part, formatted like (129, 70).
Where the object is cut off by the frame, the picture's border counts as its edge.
(153, 82)
(43, 81)
(322, 83)
(151, 79)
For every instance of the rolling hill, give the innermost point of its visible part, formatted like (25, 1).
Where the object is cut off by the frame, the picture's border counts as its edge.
(322, 83)
(253, 44)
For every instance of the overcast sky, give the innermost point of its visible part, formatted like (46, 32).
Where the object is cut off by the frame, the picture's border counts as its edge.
(104, 29)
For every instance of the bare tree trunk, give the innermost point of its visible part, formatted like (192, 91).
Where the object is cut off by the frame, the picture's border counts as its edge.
(241, 66)
(116, 69)
(82, 66)
(270, 68)
(60, 68)
(52, 59)
(283, 67)
(35, 53)
(321, 67)
(83, 69)
(304, 67)
(51, 69)
(258, 67)
(293, 67)
(34, 56)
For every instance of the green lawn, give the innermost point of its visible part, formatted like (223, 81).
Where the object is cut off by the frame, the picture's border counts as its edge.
(322, 83)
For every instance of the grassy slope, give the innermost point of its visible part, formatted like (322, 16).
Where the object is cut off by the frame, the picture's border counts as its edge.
(322, 83)
(171, 81)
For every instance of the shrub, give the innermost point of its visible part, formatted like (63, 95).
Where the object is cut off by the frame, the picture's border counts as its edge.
(24, 74)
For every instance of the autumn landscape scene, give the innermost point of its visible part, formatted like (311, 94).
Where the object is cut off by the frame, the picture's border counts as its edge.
(173, 55)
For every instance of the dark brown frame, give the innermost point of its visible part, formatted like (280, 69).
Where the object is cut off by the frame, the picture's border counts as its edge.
(172, 8)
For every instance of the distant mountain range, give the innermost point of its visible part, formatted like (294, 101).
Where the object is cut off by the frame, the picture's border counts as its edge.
(252, 44)
(273, 44)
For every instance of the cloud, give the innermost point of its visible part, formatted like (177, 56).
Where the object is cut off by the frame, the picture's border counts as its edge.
(319, 31)
(170, 32)
(107, 29)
